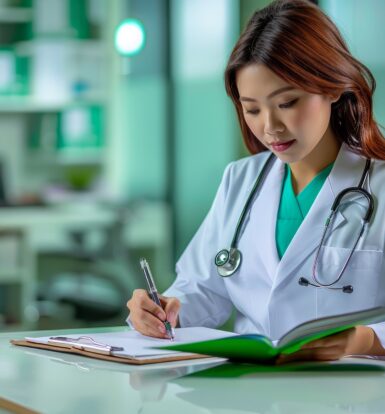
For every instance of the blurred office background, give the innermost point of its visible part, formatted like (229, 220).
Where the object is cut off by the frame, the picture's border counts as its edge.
(114, 132)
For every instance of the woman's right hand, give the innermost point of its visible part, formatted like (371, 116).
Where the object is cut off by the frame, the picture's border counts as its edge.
(147, 317)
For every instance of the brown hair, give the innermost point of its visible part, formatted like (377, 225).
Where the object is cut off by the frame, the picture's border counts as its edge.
(301, 45)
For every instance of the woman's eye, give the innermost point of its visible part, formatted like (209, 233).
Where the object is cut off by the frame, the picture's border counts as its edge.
(252, 111)
(289, 104)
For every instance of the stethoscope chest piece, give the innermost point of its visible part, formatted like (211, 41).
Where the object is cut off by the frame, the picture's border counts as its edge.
(228, 261)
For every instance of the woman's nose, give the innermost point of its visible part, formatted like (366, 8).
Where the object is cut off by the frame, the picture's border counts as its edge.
(273, 126)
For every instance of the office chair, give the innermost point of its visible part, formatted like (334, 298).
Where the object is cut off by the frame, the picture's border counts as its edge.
(93, 283)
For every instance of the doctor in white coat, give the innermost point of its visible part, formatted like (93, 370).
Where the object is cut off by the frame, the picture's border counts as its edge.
(300, 95)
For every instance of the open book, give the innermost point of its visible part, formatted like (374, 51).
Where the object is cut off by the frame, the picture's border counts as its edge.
(259, 348)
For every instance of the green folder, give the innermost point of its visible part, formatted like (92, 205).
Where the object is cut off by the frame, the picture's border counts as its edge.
(259, 348)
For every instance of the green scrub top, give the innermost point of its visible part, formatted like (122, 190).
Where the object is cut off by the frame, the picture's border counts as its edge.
(293, 208)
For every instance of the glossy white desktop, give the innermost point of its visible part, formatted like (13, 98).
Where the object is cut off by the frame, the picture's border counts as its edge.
(33, 380)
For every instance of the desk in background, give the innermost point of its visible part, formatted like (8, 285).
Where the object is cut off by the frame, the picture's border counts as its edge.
(27, 232)
(51, 382)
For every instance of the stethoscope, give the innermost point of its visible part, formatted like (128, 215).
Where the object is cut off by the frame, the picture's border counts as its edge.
(228, 261)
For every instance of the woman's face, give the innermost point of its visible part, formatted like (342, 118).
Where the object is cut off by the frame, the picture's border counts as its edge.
(290, 122)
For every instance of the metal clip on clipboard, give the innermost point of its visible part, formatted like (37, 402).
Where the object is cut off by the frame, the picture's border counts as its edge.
(84, 343)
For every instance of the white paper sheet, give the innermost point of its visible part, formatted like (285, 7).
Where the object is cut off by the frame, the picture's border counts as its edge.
(139, 346)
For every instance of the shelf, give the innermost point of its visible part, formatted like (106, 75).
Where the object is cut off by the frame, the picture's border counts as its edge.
(73, 156)
(13, 104)
(11, 275)
(58, 56)
(80, 155)
(15, 14)
(91, 46)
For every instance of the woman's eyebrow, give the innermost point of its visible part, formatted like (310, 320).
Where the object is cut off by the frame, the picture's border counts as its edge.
(271, 95)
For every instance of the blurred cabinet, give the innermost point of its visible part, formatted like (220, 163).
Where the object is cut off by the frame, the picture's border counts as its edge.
(55, 62)
(54, 67)
(74, 130)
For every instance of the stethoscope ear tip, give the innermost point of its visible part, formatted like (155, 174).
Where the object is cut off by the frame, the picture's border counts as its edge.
(347, 289)
(303, 281)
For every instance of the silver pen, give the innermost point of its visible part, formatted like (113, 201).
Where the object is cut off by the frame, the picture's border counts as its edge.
(153, 292)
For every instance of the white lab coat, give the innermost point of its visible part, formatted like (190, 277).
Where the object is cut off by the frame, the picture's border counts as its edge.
(265, 291)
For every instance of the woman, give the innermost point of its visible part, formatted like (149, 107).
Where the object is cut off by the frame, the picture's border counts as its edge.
(300, 95)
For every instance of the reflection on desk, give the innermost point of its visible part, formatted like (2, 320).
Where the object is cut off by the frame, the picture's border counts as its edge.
(287, 392)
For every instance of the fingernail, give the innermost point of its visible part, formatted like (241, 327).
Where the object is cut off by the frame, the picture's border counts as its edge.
(160, 316)
(171, 317)
(162, 329)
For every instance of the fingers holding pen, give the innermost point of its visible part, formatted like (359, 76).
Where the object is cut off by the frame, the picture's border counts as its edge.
(145, 315)
(148, 318)
(151, 325)
(153, 292)
(144, 302)
(171, 307)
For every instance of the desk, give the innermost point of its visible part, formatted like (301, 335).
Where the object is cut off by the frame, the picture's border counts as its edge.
(52, 382)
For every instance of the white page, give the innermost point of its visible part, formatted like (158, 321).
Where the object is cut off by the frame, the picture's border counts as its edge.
(139, 346)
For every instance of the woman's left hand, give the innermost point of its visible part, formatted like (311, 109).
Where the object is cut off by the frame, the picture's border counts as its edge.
(358, 340)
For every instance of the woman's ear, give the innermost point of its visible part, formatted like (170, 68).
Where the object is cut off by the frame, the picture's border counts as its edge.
(335, 98)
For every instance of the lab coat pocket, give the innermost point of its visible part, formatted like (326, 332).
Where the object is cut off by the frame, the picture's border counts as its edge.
(363, 273)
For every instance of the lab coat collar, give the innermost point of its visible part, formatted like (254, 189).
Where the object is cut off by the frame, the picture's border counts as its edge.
(346, 172)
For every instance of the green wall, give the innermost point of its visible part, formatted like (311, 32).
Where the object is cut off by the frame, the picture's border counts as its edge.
(362, 25)
(206, 142)
(206, 137)
(145, 118)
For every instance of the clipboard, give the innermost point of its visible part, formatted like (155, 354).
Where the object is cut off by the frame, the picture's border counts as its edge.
(119, 346)
(107, 356)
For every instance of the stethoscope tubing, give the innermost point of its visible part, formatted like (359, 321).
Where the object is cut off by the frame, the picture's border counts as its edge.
(234, 256)
(365, 221)
(258, 183)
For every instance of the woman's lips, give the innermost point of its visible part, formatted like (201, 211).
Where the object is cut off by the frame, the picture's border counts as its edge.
(282, 146)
